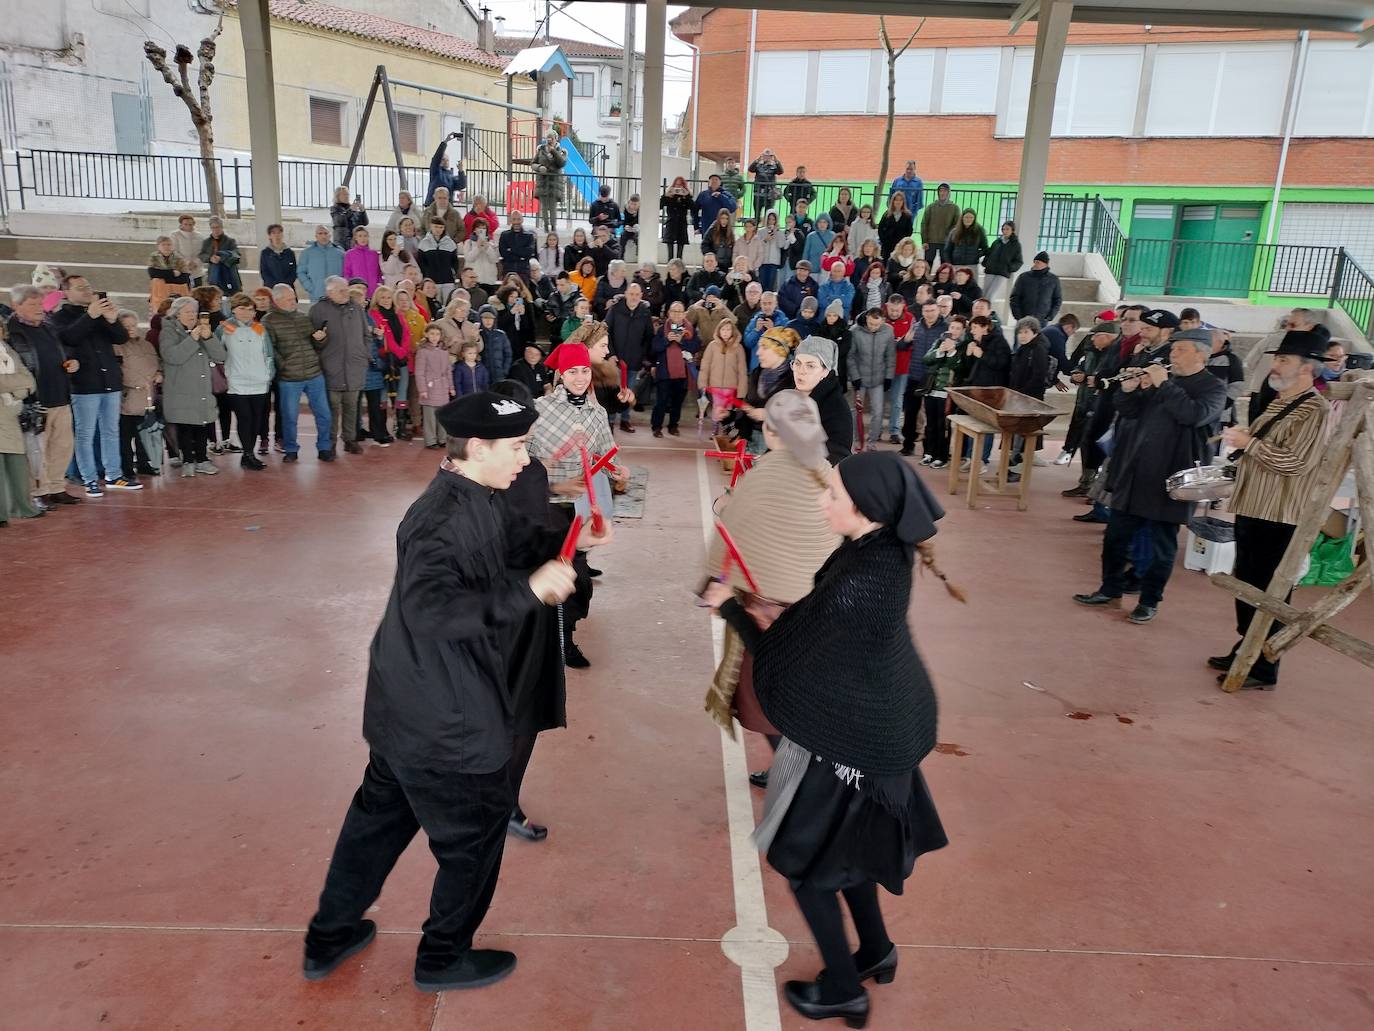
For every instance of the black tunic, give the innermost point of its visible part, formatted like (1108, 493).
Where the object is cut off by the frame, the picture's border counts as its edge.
(437, 694)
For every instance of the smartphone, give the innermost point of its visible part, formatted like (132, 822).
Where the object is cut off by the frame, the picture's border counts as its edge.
(102, 295)
(205, 318)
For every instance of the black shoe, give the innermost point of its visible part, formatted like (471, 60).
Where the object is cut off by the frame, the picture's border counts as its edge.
(291, 456)
(1142, 613)
(146, 470)
(1074, 492)
(1098, 598)
(1013, 477)
(907, 451)
(1089, 517)
(673, 431)
(1221, 662)
(805, 998)
(327, 456)
(477, 969)
(883, 971)
(1253, 683)
(353, 447)
(232, 449)
(249, 462)
(521, 827)
(572, 655)
(315, 969)
(759, 778)
(593, 572)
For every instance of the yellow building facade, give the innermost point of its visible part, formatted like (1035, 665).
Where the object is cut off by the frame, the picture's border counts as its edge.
(323, 77)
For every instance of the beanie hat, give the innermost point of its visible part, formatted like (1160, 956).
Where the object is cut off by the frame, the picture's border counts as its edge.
(835, 307)
(1042, 256)
(821, 348)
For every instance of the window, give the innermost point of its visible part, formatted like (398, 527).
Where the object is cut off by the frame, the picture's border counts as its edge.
(584, 84)
(915, 78)
(842, 81)
(408, 131)
(326, 121)
(1331, 225)
(1336, 91)
(970, 86)
(1196, 91)
(780, 83)
(1096, 94)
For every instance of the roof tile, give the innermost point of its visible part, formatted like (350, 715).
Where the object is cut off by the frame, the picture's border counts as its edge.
(382, 30)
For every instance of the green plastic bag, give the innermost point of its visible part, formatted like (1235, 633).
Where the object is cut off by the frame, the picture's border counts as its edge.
(1333, 560)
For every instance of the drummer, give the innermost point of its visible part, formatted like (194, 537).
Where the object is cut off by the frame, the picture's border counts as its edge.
(1281, 449)
(1171, 410)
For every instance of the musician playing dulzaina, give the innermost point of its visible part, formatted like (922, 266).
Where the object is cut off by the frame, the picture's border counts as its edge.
(1282, 449)
(1171, 411)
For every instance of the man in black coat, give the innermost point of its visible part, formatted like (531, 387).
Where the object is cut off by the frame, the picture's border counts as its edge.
(438, 712)
(89, 328)
(1172, 411)
(517, 247)
(631, 327)
(1037, 292)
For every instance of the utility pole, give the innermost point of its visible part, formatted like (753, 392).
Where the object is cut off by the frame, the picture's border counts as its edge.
(548, 29)
(627, 96)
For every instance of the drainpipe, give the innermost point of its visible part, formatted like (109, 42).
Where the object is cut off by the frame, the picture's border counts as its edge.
(749, 92)
(696, 105)
(1290, 119)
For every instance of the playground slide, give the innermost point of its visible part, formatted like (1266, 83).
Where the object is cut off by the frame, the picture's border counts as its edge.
(580, 176)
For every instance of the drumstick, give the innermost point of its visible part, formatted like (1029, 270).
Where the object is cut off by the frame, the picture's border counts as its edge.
(569, 548)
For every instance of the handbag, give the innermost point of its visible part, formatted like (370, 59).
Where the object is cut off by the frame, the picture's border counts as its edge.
(33, 416)
(219, 383)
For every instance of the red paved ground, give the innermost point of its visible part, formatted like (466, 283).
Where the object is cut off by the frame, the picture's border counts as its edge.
(182, 699)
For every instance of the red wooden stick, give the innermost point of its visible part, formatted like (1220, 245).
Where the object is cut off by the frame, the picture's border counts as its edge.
(565, 553)
(732, 553)
(604, 461)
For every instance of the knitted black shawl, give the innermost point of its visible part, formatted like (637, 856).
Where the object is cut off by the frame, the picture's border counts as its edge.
(838, 673)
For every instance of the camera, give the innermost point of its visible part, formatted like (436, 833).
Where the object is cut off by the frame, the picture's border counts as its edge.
(675, 329)
(455, 135)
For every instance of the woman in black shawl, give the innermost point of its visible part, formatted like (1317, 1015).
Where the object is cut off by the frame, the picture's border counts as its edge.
(839, 676)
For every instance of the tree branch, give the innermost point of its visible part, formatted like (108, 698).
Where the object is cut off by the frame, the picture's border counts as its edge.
(919, 26)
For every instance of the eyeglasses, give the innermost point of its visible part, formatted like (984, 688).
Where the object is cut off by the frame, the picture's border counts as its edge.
(806, 366)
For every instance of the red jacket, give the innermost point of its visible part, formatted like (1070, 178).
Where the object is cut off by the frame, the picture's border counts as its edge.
(829, 259)
(900, 327)
(488, 216)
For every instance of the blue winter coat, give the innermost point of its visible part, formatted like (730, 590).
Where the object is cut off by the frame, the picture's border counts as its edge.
(791, 294)
(709, 208)
(843, 291)
(817, 243)
(470, 380)
(913, 189)
(496, 353)
(316, 264)
(752, 333)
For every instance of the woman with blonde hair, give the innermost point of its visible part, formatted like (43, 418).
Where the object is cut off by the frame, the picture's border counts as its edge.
(724, 370)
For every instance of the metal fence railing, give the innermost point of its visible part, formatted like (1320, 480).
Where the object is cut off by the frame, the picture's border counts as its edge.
(1199, 267)
(1105, 237)
(1353, 292)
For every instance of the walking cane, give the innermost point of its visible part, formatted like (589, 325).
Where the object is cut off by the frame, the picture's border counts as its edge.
(859, 412)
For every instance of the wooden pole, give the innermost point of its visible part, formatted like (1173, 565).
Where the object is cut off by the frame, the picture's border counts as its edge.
(395, 129)
(362, 123)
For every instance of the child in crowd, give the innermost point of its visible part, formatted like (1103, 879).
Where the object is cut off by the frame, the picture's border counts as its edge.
(434, 374)
(470, 376)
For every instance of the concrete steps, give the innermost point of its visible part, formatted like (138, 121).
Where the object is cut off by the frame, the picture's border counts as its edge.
(115, 279)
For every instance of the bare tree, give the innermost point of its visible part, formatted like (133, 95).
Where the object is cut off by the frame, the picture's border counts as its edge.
(892, 55)
(197, 101)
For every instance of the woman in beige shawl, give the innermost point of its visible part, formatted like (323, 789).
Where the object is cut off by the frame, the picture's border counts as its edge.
(776, 521)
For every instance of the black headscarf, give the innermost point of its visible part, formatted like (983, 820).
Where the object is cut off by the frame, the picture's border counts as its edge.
(888, 491)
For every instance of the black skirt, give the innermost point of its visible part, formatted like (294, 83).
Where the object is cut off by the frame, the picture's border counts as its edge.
(835, 836)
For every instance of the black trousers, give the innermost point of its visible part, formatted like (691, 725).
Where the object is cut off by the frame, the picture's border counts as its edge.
(376, 417)
(131, 447)
(1260, 544)
(225, 410)
(668, 397)
(250, 412)
(937, 429)
(913, 397)
(1116, 556)
(464, 815)
(522, 749)
(822, 912)
(192, 439)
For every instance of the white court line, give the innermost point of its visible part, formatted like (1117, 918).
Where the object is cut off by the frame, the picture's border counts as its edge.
(751, 944)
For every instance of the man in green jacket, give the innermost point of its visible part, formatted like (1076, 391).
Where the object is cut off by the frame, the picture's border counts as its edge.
(732, 180)
(296, 346)
(937, 222)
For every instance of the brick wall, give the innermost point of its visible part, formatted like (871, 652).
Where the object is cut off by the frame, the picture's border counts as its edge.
(963, 147)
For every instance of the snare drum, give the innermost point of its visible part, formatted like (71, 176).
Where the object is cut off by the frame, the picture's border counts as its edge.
(1202, 483)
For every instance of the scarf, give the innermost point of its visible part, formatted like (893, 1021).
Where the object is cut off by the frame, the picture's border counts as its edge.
(576, 400)
(768, 379)
(888, 491)
(393, 322)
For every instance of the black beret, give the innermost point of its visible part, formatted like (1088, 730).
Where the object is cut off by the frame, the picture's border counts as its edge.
(486, 416)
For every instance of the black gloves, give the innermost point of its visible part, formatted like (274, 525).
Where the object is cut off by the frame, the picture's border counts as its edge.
(887, 384)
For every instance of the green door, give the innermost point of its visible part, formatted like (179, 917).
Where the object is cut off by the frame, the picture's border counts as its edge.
(1216, 251)
(1152, 227)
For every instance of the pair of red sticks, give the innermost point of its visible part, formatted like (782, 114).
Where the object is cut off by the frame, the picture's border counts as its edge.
(590, 467)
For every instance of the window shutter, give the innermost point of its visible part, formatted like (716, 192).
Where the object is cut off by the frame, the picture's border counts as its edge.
(970, 86)
(326, 121)
(408, 130)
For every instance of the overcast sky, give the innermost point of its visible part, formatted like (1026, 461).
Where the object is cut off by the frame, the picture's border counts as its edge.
(605, 24)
